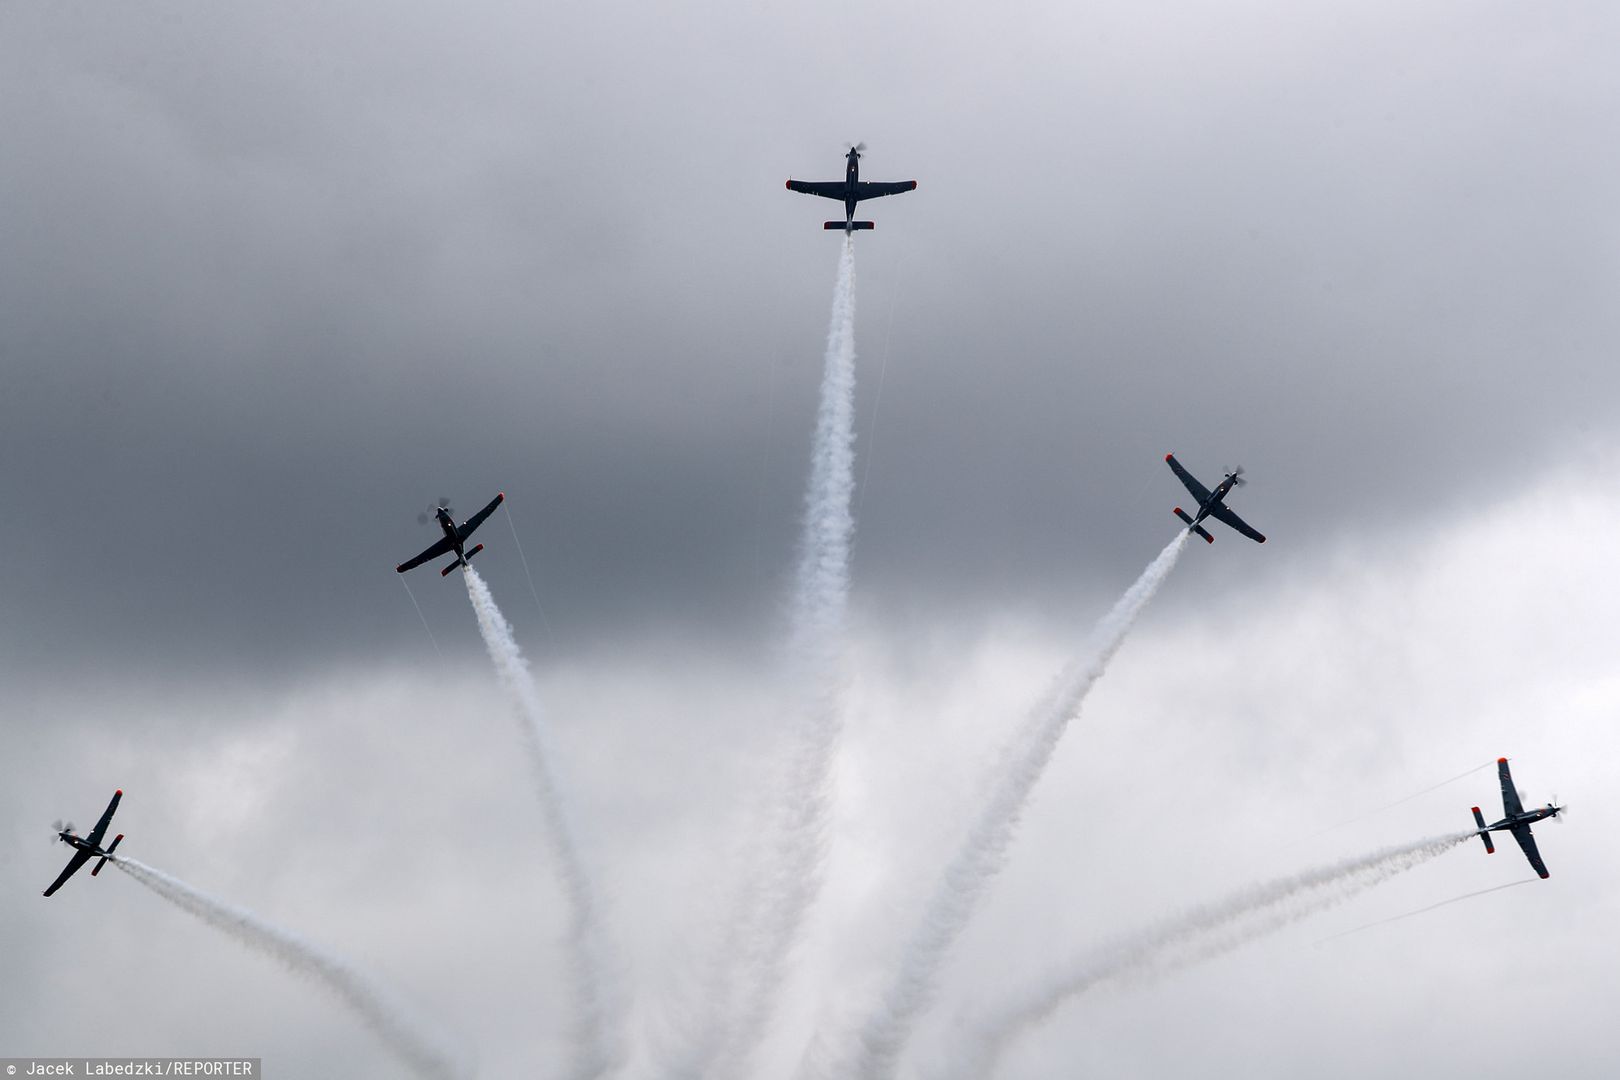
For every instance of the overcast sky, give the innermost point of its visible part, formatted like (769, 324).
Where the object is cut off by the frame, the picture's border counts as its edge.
(275, 278)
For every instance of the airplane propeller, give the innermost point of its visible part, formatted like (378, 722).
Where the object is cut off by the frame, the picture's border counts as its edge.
(1237, 477)
(61, 827)
(428, 515)
(858, 147)
(1559, 810)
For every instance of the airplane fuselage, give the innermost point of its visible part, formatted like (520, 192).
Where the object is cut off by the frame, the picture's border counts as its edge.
(1508, 824)
(80, 842)
(852, 175)
(448, 524)
(1216, 499)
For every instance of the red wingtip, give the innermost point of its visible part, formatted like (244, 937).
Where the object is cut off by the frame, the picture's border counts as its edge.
(500, 494)
(1475, 809)
(789, 184)
(1545, 875)
(120, 791)
(1501, 761)
(1170, 455)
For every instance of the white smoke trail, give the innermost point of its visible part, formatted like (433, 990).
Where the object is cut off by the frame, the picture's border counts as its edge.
(595, 1050)
(1425, 910)
(402, 1033)
(784, 872)
(876, 1051)
(1198, 934)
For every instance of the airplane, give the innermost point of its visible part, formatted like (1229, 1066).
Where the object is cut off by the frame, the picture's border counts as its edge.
(1517, 821)
(851, 190)
(1212, 503)
(88, 846)
(455, 537)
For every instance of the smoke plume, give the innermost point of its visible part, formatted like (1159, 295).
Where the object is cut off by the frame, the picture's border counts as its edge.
(594, 1039)
(405, 1035)
(1196, 935)
(877, 1049)
(786, 862)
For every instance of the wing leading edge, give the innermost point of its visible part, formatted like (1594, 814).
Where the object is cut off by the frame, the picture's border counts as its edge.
(1510, 794)
(870, 189)
(433, 552)
(106, 819)
(1522, 834)
(1223, 514)
(78, 860)
(1199, 491)
(466, 528)
(827, 189)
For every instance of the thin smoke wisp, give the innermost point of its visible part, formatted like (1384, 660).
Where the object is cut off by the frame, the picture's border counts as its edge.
(1198, 934)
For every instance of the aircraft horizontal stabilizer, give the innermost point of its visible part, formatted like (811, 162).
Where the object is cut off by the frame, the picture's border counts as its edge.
(851, 226)
(462, 561)
(110, 849)
(1479, 819)
(1199, 529)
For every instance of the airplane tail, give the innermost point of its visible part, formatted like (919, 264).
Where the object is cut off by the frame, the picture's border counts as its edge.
(1479, 819)
(110, 849)
(849, 226)
(461, 562)
(1199, 529)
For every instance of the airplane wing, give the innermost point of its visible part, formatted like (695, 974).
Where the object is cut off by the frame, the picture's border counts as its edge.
(106, 818)
(827, 189)
(1510, 794)
(867, 189)
(466, 528)
(433, 552)
(1199, 491)
(1521, 833)
(78, 860)
(1221, 513)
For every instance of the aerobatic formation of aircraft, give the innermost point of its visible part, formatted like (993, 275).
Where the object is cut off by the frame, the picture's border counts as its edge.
(851, 190)
(88, 847)
(1517, 820)
(1212, 503)
(455, 538)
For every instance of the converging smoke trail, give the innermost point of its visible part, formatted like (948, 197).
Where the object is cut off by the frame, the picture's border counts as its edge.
(877, 1050)
(785, 874)
(594, 1047)
(1431, 907)
(1199, 934)
(400, 1031)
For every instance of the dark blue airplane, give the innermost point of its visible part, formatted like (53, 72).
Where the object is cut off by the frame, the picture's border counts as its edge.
(454, 539)
(87, 847)
(1517, 821)
(851, 190)
(1212, 503)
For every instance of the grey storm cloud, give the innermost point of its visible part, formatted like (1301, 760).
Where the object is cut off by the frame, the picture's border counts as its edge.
(275, 279)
